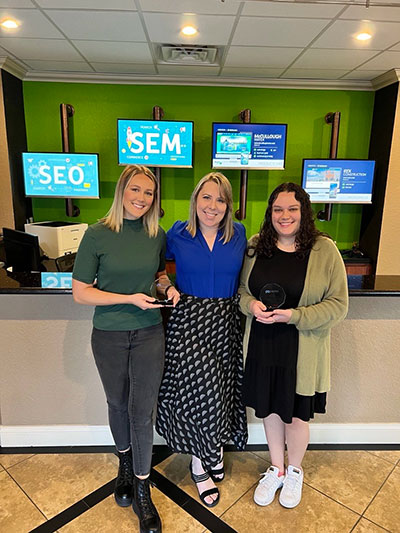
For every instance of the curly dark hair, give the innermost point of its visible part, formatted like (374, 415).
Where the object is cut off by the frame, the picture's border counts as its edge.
(305, 237)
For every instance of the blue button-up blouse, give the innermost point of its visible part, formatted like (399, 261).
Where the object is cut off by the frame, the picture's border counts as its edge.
(203, 272)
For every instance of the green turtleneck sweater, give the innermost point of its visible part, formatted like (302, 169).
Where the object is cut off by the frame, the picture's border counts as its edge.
(124, 263)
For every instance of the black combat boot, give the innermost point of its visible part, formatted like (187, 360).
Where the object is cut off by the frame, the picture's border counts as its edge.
(124, 481)
(149, 519)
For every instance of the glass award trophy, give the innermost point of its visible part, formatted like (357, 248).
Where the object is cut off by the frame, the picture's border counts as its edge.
(158, 290)
(272, 296)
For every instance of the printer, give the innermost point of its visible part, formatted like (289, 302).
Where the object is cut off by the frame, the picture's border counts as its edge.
(57, 238)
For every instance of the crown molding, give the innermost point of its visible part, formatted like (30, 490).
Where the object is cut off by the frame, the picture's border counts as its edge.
(12, 67)
(389, 77)
(129, 79)
(205, 81)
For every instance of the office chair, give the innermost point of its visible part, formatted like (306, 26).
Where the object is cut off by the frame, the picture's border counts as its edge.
(65, 263)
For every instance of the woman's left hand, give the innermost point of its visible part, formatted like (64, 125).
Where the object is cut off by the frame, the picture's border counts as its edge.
(173, 294)
(281, 315)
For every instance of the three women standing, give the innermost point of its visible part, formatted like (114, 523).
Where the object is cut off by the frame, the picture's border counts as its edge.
(288, 354)
(125, 253)
(200, 407)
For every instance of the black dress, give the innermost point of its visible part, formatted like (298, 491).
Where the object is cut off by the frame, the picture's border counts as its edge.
(270, 373)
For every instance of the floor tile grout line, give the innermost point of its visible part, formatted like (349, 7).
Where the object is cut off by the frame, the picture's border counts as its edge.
(378, 491)
(332, 498)
(250, 488)
(387, 460)
(240, 497)
(58, 521)
(372, 522)
(83, 501)
(19, 462)
(356, 524)
(27, 495)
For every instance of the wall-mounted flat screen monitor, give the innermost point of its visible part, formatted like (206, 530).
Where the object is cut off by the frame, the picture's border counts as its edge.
(61, 175)
(248, 146)
(339, 181)
(155, 143)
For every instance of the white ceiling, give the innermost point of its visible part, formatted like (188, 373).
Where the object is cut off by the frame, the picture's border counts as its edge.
(260, 42)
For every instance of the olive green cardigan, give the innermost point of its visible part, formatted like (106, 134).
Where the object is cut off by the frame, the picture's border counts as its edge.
(323, 304)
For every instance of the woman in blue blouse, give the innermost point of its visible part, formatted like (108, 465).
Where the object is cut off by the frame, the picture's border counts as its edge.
(200, 407)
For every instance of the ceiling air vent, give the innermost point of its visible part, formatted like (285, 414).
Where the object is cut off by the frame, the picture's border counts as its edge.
(188, 55)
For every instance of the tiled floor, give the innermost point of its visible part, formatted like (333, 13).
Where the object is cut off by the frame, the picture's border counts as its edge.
(344, 491)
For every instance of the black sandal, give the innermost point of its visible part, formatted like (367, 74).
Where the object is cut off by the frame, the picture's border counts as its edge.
(198, 478)
(217, 472)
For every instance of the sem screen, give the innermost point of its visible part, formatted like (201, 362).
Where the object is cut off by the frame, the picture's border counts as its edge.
(248, 146)
(61, 175)
(155, 143)
(342, 181)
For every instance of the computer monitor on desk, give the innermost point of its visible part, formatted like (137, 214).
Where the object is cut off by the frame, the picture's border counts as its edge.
(22, 251)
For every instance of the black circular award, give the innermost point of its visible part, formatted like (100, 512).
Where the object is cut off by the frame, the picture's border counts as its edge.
(272, 296)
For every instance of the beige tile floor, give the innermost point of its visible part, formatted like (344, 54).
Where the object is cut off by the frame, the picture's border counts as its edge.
(344, 491)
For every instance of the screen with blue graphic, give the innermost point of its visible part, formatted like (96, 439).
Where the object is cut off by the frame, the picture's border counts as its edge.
(340, 181)
(155, 143)
(248, 146)
(61, 175)
(56, 280)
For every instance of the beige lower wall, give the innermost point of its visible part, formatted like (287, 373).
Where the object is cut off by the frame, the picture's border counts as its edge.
(48, 375)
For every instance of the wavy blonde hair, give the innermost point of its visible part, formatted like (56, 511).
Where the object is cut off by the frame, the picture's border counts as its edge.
(114, 217)
(225, 188)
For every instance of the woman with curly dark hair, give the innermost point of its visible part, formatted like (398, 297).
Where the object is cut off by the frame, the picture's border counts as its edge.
(287, 340)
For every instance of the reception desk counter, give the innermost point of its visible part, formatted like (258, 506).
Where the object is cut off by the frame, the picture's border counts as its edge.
(50, 392)
(59, 283)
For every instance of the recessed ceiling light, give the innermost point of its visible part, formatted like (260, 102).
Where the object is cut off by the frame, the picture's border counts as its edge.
(10, 24)
(363, 36)
(189, 30)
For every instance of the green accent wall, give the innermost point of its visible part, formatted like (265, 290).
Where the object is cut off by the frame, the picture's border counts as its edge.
(97, 107)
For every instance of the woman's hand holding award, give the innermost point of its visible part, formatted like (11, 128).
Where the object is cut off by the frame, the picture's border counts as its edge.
(164, 292)
(272, 296)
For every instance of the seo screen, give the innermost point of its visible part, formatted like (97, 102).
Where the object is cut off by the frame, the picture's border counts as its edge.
(155, 143)
(61, 175)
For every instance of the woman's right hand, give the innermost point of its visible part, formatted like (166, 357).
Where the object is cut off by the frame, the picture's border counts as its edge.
(143, 301)
(260, 312)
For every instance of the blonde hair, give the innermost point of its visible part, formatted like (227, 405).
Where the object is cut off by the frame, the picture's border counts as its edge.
(114, 217)
(226, 192)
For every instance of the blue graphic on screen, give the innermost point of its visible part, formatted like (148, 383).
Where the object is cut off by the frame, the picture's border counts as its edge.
(339, 180)
(249, 146)
(155, 143)
(56, 280)
(61, 175)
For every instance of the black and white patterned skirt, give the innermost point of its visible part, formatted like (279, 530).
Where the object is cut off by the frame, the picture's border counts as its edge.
(200, 406)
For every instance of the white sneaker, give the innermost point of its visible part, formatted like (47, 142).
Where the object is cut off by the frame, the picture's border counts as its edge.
(290, 495)
(267, 486)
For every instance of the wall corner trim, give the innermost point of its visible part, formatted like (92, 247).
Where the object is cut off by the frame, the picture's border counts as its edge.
(389, 77)
(12, 67)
